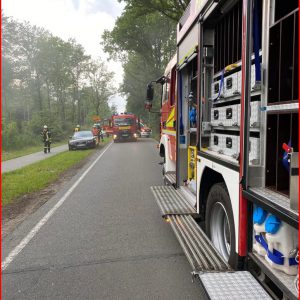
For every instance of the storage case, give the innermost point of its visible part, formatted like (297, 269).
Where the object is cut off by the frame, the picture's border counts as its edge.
(231, 115)
(227, 116)
(226, 144)
(254, 151)
(231, 86)
(217, 116)
(215, 87)
(232, 145)
(216, 142)
(255, 114)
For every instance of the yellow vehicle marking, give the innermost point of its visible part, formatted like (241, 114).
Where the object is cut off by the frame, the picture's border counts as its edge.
(170, 120)
(189, 53)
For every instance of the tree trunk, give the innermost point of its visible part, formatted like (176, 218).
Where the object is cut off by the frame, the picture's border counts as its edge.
(40, 100)
(48, 99)
(97, 103)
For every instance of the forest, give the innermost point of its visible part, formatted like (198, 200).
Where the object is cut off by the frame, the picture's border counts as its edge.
(144, 39)
(46, 80)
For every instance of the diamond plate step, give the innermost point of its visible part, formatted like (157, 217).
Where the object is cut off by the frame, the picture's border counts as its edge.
(219, 281)
(198, 249)
(239, 285)
(171, 201)
(170, 178)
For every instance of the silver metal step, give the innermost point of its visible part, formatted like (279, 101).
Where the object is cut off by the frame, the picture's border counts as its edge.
(239, 285)
(219, 281)
(171, 201)
(170, 178)
(198, 249)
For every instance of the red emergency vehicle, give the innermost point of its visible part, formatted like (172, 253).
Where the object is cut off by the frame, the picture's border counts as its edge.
(125, 127)
(106, 125)
(229, 140)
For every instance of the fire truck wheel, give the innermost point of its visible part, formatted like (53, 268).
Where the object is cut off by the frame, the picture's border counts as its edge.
(219, 222)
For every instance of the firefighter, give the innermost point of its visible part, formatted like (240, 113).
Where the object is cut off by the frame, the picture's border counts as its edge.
(77, 128)
(100, 132)
(46, 139)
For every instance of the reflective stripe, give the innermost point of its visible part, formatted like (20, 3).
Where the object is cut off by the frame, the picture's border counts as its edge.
(169, 132)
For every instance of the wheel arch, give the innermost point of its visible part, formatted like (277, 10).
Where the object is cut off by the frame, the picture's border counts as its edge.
(164, 152)
(208, 179)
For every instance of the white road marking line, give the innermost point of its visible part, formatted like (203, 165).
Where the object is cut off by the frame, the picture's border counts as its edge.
(11, 256)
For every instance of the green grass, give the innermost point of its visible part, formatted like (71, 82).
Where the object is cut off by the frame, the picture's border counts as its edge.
(37, 176)
(6, 155)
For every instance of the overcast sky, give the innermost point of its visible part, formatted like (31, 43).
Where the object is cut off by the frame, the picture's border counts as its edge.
(84, 20)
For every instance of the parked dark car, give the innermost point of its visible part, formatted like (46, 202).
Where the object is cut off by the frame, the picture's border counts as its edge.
(82, 140)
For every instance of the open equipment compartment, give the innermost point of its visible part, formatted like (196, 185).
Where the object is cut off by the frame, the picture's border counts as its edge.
(281, 128)
(283, 59)
(282, 124)
(222, 82)
(270, 185)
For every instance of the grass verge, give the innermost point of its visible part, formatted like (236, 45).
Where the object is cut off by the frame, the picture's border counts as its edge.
(6, 155)
(38, 175)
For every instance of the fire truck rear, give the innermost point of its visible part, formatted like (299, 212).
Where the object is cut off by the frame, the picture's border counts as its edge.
(230, 104)
(125, 127)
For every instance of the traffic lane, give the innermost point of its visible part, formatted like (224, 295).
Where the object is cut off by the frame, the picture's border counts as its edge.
(120, 206)
(20, 162)
(111, 217)
(156, 278)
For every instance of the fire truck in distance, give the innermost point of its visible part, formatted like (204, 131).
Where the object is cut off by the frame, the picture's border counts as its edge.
(230, 142)
(125, 127)
(106, 125)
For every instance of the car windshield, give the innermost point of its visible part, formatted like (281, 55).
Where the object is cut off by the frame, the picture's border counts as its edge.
(82, 134)
(123, 121)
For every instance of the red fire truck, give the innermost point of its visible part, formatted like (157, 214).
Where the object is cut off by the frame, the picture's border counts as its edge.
(106, 125)
(229, 141)
(125, 127)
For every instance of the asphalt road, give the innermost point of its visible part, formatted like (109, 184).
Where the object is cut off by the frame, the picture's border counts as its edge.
(106, 240)
(20, 162)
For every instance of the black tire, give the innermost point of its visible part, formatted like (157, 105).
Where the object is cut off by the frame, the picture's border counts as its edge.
(218, 209)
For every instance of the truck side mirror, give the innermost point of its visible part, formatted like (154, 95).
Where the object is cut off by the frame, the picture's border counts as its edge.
(150, 93)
